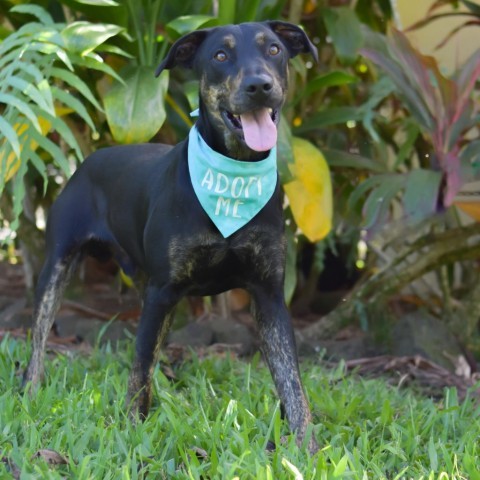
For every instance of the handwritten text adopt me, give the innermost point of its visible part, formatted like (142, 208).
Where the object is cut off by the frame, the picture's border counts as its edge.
(231, 192)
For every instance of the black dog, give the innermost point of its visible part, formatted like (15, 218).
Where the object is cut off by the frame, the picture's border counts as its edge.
(136, 203)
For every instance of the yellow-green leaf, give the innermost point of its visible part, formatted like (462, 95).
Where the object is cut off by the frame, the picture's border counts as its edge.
(310, 191)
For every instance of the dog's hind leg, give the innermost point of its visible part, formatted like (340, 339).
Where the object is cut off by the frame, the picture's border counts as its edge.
(51, 284)
(154, 324)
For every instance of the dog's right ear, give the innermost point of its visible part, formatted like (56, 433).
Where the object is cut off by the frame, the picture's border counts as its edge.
(183, 51)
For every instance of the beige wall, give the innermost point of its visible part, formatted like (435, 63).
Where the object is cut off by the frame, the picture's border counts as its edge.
(457, 49)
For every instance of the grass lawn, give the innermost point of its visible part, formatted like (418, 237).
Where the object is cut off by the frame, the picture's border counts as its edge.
(227, 409)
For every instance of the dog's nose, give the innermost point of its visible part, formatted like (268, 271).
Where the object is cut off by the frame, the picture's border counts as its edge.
(258, 85)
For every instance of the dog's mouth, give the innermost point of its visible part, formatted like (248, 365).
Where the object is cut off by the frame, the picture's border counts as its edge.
(257, 128)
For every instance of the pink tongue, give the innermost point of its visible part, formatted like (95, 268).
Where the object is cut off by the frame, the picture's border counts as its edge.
(259, 130)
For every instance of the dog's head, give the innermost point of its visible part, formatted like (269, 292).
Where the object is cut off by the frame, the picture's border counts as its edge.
(243, 72)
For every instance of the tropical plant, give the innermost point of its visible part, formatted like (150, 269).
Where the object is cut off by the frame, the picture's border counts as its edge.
(39, 91)
(408, 219)
(443, 110)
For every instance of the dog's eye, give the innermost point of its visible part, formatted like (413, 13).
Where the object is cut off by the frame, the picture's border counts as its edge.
(274, 49)
(220, 56)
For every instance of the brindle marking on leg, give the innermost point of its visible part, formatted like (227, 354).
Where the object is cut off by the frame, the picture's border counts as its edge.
(157, 314)
(43, 318)
(279, 350)
(139, 394)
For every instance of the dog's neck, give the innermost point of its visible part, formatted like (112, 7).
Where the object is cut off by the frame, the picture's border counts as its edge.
(223, 141)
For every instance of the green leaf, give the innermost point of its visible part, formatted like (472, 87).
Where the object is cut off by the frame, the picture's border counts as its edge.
(433, 455)
(387, 414)
(95, 62)
(368, 184)
(40, 166)
(62, 55)
(84, 37)
(136, 111)
(421, 193)
(50, 36)
(53, 150)
(330, 79)
(11, 55)
(412, 132)
(340, 158)
(378, 202)
(18, 194)
(61, 127)
(330, 116)
(74, 104)
(187, 23)
(40, 97)
(77, 83)
(29, 69)
(34, 10)
(44, 48)
(21, 106)
(9, 133)
(116, 51)
(344, 29)
(44, 89)
(470, 466)
(27, 30)
(341, 467)
(378, 92)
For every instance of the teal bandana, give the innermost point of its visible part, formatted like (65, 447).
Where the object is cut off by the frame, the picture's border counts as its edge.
(230, 191)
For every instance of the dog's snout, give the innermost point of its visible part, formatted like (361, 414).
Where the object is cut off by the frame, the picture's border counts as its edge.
(259, 85)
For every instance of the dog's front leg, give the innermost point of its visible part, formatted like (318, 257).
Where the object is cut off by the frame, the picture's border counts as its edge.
(154, 324)
(279, 350)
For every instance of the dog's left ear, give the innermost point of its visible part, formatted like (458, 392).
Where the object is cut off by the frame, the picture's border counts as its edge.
(294, 38)
(183, 51)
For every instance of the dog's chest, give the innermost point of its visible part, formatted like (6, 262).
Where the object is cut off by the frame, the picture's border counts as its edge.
(206, 258)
